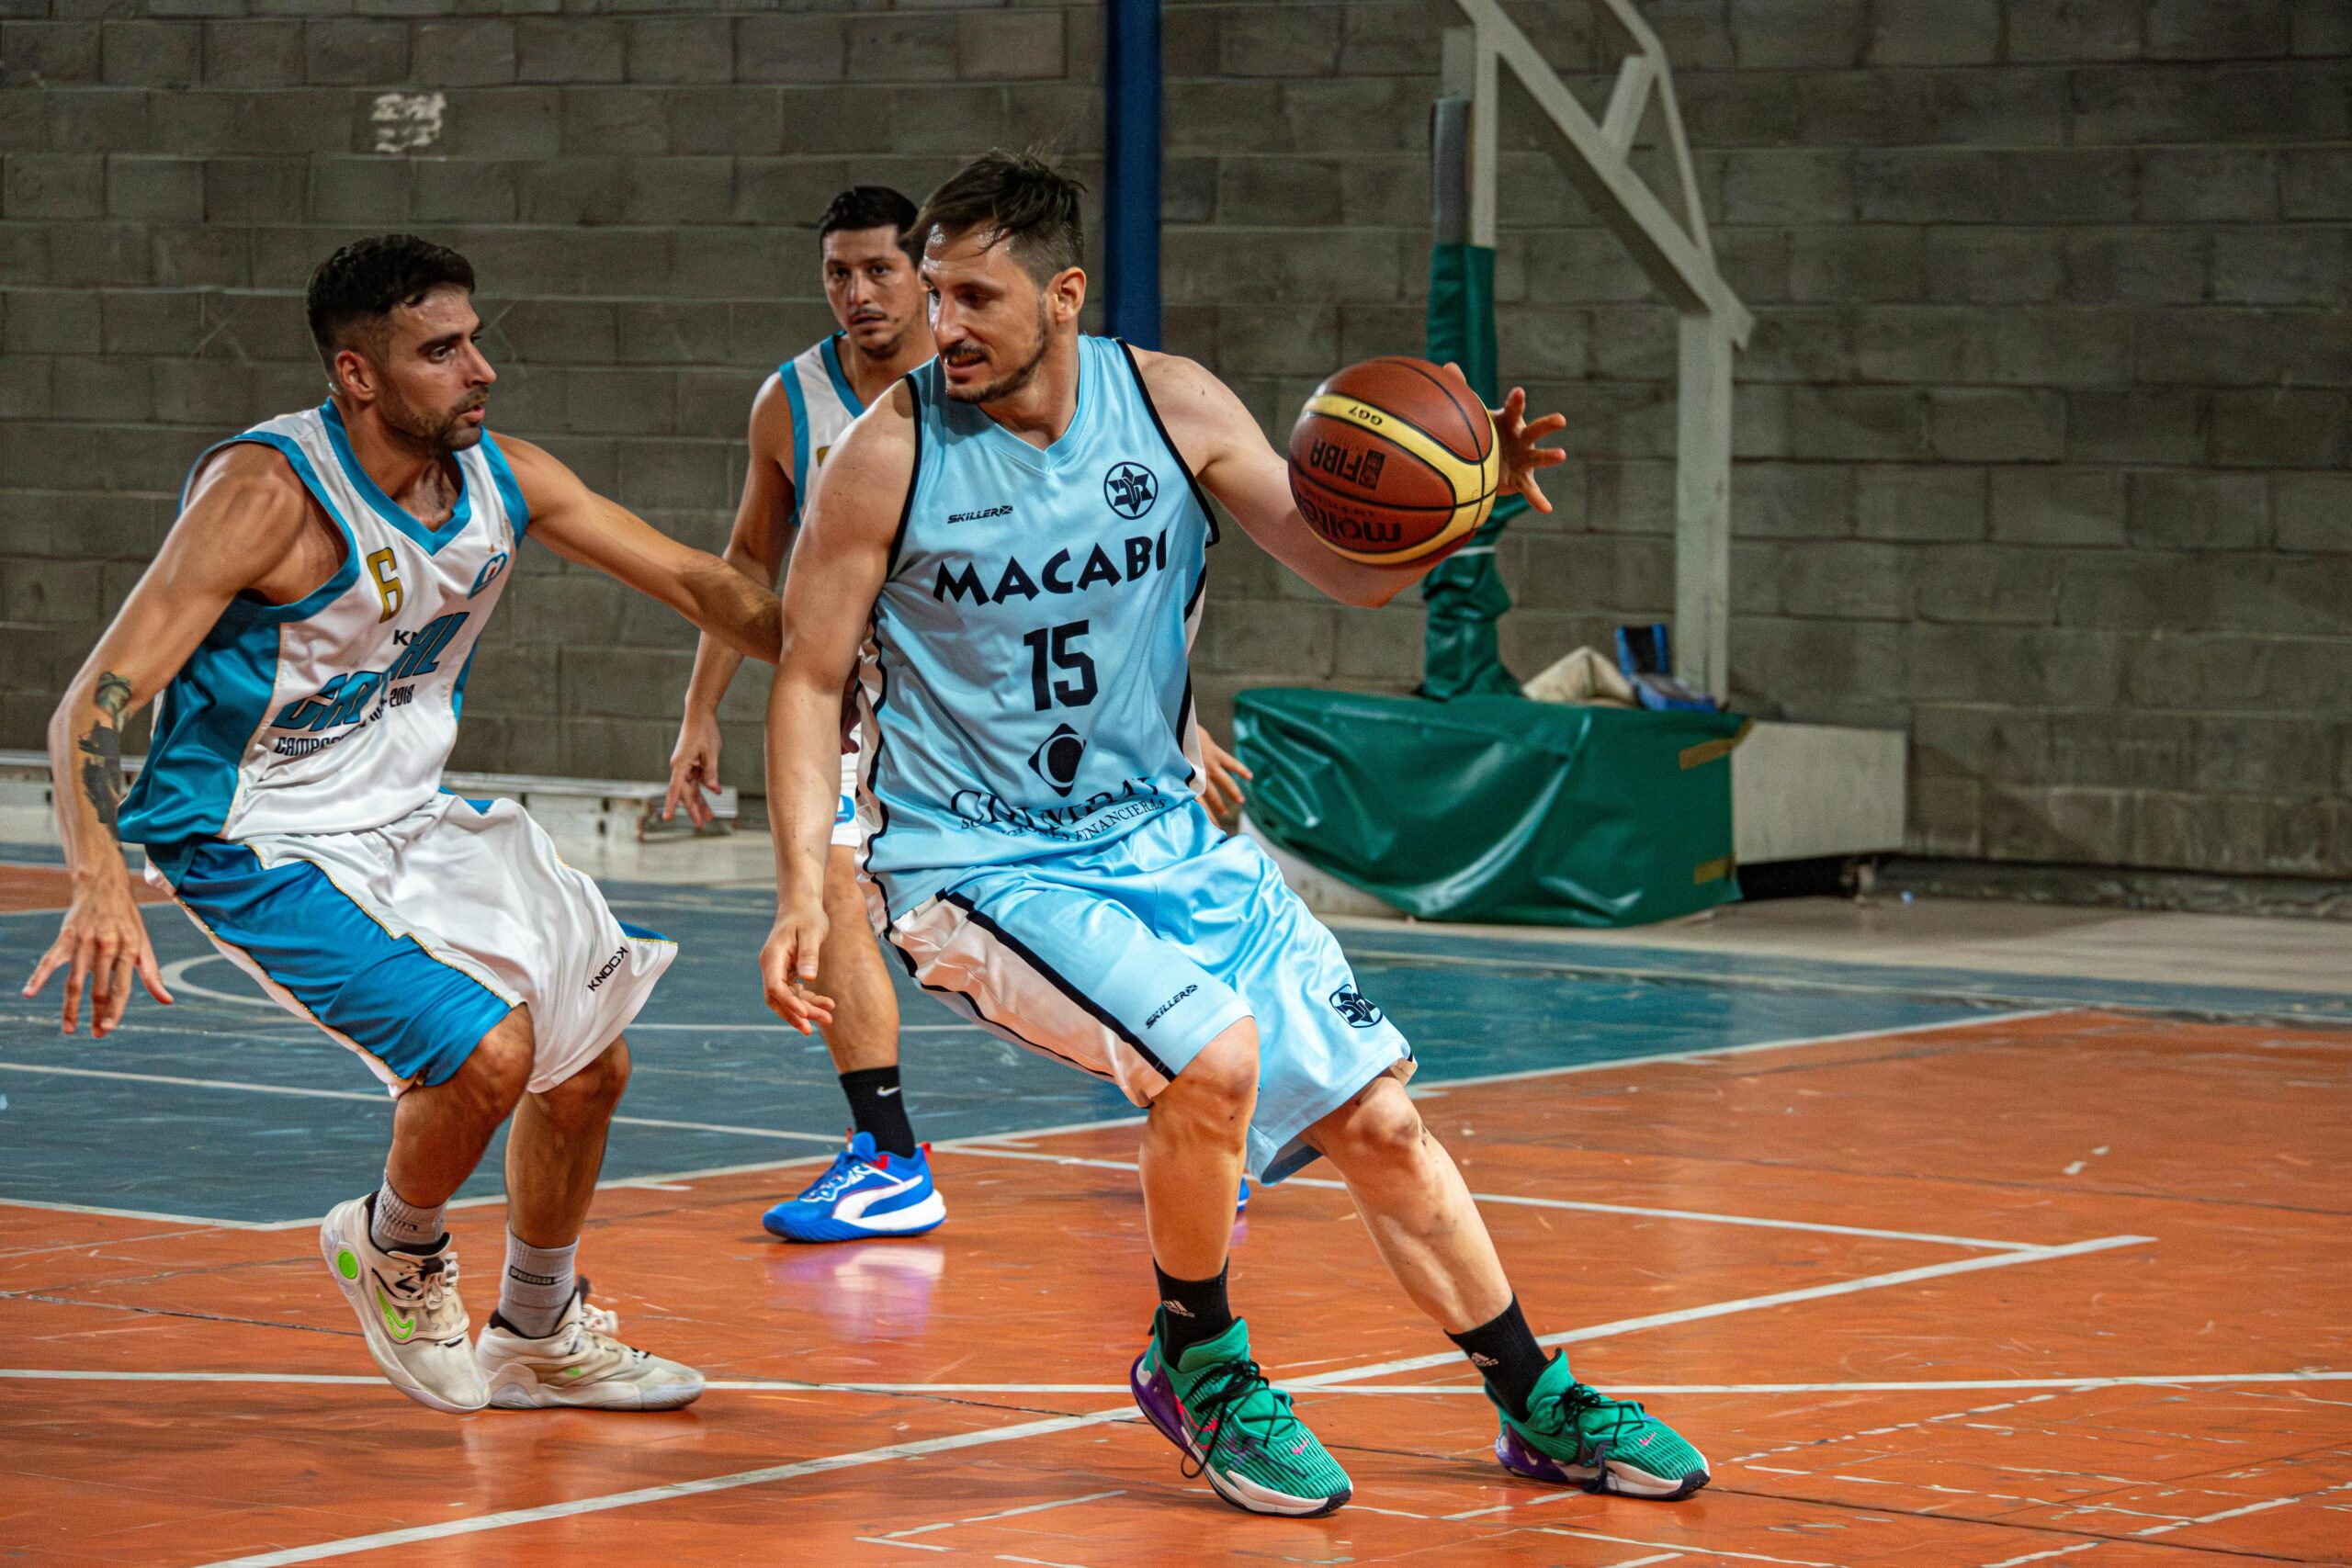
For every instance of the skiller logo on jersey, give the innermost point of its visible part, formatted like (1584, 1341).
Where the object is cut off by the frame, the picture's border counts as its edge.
(986, 512)
(1143, 555)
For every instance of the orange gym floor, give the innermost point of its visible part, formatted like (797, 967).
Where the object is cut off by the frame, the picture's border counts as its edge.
(2024, 1289)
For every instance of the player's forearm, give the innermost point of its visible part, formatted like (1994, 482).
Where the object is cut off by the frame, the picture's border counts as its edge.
(715, 668)
(737, 612)
(804, 780)
(85, 773)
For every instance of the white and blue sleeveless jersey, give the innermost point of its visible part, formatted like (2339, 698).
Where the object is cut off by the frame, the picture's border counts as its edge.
(335, 713)
(823, 404)
(1026, 686)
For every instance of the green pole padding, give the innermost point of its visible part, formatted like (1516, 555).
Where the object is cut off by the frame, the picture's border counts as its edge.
(1498, 808)
(1464, 596)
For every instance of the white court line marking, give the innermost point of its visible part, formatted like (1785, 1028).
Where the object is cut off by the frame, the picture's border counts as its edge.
(1103, 1124)
(1694, 1550)
(2043, 1556)
(1752, 1304)
(1005, 1514)
(785, 1385)
(1512, 1200)
(1645, 1561)
(355, 1544)
(670, 1490)
(379, 1098)
(2249, 1509)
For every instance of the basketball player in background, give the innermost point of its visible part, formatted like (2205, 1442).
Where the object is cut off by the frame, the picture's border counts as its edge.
(306, 631)
(1008, 554)
(880, 1185)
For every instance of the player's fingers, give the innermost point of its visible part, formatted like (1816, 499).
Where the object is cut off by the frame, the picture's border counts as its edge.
(1546, 457)
(1514, 407)
(46, 968)
(77, 974)
(1539, 428)
(1239, 766)
(104, 1018)
(150, 973)
(1534, 492)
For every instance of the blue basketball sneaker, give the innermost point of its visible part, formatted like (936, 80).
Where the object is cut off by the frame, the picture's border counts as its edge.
(1242, 1203)
(864, 1194)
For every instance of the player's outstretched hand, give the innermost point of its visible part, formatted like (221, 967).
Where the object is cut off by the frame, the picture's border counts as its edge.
(1521, 456)
(693, 769)
(1220, 771)
(788, 968)
(103, 942)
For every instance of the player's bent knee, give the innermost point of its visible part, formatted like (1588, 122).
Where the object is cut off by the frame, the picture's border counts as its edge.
(1223, 1079)
(596, 1088)
(498, 1069)
(1380, 1127)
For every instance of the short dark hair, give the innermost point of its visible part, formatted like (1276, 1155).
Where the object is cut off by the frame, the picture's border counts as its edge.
(361, 284)
(1021, 200)
(867, 207)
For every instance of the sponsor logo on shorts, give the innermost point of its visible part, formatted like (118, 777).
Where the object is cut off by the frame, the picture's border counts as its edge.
(610, 964)
(1161, 1010)
(1352, 1006)
(986, 512)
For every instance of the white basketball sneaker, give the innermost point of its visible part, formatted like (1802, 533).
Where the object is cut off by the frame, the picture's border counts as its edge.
(579, 1366)
(408, 1308)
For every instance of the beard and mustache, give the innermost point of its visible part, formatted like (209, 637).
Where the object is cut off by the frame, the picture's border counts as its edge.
(438, 433)
(1007, 384)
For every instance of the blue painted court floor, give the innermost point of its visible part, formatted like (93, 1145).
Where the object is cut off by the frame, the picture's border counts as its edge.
(223, 1107)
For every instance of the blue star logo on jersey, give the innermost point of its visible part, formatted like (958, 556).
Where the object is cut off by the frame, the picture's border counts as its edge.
(1130, 487)
(1056, 758)
(1354, 1009)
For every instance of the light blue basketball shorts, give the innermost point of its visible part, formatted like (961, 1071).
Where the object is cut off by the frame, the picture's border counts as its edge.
(1125, 961)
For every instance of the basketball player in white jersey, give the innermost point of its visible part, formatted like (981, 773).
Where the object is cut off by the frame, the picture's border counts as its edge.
(880, 1185)
(305, 632)
(1008, 555)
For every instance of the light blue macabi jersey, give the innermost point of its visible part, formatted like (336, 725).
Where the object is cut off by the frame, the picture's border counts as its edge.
(1025, 685)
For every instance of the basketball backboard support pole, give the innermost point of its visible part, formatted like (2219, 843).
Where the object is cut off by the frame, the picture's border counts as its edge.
(1131, 91)
(1668, 238)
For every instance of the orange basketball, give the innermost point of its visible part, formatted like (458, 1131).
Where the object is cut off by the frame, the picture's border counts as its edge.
(1394, 460)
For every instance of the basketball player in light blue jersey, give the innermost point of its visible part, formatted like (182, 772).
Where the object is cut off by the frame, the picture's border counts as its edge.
(880, 1185)
(305, 633)
(1007, 553)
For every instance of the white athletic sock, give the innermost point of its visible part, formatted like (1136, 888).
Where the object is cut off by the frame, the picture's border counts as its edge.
(402, 1224)
(538, 1285)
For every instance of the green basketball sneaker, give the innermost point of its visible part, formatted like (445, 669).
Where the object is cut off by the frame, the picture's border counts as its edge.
(1236, 1427)
(1578, 1436)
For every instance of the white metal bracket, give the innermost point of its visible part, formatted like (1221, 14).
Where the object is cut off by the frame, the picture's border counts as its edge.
(1668, 238)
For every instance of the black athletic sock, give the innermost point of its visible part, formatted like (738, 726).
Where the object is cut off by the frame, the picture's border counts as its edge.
(1506, 1354)
(1191, 1311)
(877, 1107)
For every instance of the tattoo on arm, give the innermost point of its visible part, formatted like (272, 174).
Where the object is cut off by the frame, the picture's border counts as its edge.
(101, 748)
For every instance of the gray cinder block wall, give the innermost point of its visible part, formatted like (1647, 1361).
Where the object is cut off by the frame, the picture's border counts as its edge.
(2043, 439)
